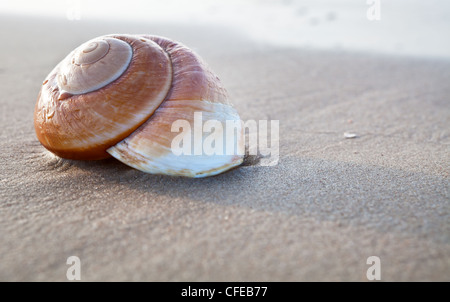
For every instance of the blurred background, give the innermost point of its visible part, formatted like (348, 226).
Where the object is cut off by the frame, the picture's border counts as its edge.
(404, 27)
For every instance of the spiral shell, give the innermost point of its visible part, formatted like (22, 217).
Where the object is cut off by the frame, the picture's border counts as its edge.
(119, 95)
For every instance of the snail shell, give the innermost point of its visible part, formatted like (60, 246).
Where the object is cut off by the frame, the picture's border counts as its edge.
(120, 94)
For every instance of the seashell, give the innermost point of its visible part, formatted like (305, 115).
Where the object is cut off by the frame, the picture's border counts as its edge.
(119, 95)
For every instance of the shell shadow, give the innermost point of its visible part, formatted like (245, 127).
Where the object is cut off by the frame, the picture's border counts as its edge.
(113, 172)
(307, 187)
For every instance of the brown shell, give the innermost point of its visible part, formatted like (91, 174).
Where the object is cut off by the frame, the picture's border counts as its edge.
(131, 117)
(83, 126)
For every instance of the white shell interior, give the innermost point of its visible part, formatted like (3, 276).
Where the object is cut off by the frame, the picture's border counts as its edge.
(147, 156)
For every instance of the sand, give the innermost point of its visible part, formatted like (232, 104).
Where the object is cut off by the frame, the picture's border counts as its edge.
(328, 205)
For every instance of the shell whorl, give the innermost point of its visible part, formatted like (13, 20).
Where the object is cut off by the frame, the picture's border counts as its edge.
(119, 94)
(84, 125)
(94, 65)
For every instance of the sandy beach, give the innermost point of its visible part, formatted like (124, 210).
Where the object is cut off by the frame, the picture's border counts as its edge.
(329, 204)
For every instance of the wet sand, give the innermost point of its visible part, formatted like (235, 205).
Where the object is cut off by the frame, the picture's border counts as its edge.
(328, 205)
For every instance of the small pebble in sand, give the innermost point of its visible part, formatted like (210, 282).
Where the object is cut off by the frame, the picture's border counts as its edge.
(350, 135)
